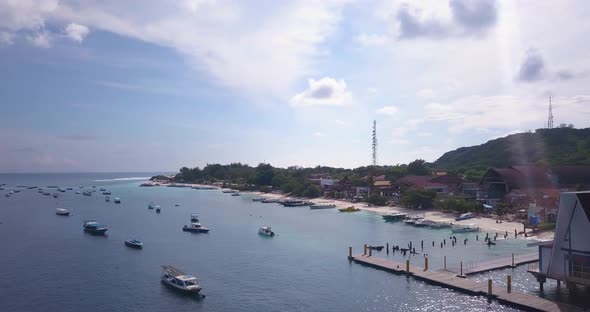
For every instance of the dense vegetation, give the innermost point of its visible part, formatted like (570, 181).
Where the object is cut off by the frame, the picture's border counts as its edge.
(559, 146)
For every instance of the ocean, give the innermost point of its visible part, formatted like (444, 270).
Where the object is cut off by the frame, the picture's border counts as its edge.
(48, 263)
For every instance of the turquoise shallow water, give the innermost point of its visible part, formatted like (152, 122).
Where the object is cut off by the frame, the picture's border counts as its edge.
(49, 264)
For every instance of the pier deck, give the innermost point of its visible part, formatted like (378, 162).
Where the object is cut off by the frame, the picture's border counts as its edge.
(450, 280)
(497, 264)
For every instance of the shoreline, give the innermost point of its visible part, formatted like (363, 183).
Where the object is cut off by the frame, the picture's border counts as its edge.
(485, 224)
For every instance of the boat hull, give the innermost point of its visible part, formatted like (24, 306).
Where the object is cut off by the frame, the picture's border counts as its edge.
(64, 214)
(192, 291)
(195, 230)
(96, 232)
(133, 245)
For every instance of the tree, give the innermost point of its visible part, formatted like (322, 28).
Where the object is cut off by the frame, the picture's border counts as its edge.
(377, 200)
(264, 174)
(418, 198)
(474, 175)
(312, 191)
(418, 167)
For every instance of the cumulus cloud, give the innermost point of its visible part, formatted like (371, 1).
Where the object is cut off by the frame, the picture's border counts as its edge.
(532, 67)
(40, 39)
(467, 18)
(372, 39)
(387, 110)
(323, 92)
(76, 32)
(277, 43)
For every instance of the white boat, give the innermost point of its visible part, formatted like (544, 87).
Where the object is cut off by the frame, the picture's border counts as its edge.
(62, 212)
(194, 217)
(257, 199)
(323, 205)
(195, 227)
(465, 216)
(117, 200)
(179, 280)
(229, 191)
(424, 222)
(465, 228)
(411, 220)
(266, 231)
(441, 225)
(269, 200)
(151, 206)
(395, 216)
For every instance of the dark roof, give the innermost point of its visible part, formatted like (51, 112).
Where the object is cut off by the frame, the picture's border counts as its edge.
(539, 176)
(419, 181)
(584, 199)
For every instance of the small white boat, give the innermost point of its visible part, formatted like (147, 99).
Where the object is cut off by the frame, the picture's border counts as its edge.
(62, 212)
(411, 220)
(465, 228)
(394, 216)
(107, 199)
(117, 200)
(441, 225)
(465, 216)
(194, 217)
(179, 280)
(151, 206)
(266, 231)
(424, 223)
(323, 205)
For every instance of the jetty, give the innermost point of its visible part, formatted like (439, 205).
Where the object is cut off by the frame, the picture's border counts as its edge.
(452, 281)
(497, 264)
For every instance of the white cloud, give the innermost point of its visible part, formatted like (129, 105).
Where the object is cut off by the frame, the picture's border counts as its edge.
(372, 90)
(387, 110)
(398, 141)
(424, 134)
(319, 134)
(425, 93)
(323, 92)
(6, 38)
(371, 39)
(40, 39)
(341, 122)
(76, 32)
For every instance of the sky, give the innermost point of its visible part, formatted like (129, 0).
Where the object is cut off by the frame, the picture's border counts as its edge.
(109, 85)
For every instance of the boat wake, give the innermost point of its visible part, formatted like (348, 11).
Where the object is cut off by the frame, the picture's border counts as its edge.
(123, 179)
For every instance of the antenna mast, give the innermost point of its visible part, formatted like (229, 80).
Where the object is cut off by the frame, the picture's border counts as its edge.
(374, 145)
(550, 118)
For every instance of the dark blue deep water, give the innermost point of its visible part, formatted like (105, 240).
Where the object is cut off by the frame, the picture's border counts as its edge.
(47, 263)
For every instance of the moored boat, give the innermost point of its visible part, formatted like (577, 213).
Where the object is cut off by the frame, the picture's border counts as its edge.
(323, 205)
(194, 217)
(349, 209)
(269, 200)
(424, 223)
(411, 220)
(465, 228)
(394, 216)
(294, 203)
(441, 225)
(257, 199)
(465, 216)
(378, 248)
(134, 243)
(62, 212)
(179, 280)
(106, 193)
(117, 200)
(107, 198)
(195, 227)
(151, 206)
(266, 231)
(94, 228)
(236, 194)
(158, 209)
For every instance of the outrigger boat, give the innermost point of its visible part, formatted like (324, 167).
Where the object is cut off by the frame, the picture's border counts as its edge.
(134, 243)
(323, 205)
(179, 280)
(465, 216)
(266, 231)
(94, 228)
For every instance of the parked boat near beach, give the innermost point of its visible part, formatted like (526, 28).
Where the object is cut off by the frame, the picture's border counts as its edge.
(411, 220)
(394, 216)
(441, 225)
(424, 223)
(323, 205)
(269, 200)
(179, 280)
(465, 228)
(257, 199)
(465, 216)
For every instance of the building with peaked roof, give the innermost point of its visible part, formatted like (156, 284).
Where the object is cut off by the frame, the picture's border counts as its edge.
(567, 258)
(424, 182)
(534, 181)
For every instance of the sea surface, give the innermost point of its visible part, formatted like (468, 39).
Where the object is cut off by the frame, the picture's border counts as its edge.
(47, 263)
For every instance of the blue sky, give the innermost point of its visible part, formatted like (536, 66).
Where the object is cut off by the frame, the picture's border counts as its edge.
(156, 85)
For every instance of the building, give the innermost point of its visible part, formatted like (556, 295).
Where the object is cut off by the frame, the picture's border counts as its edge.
(526, 184)
(423, 182)
(567, 258)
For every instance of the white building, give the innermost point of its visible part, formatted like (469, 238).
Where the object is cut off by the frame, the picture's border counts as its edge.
(567, 258)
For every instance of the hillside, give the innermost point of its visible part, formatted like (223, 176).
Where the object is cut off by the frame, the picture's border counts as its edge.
(560, 146)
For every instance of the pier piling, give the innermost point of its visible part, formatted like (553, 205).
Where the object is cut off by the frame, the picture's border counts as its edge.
(349, 252)
(445, 263)
(370, 251)
(407, 266)
(426, 264)
(365, 250)
(490, 287)
(461, 272)
(508, 284)
(513, 260)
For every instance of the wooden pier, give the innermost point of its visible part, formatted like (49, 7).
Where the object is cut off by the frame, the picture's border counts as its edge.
(497, 264)
(449, 280)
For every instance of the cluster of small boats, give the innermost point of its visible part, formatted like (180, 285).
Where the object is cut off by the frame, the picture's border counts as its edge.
(420, 221)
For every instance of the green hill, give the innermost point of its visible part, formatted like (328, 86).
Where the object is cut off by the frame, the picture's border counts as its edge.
(559, 146)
